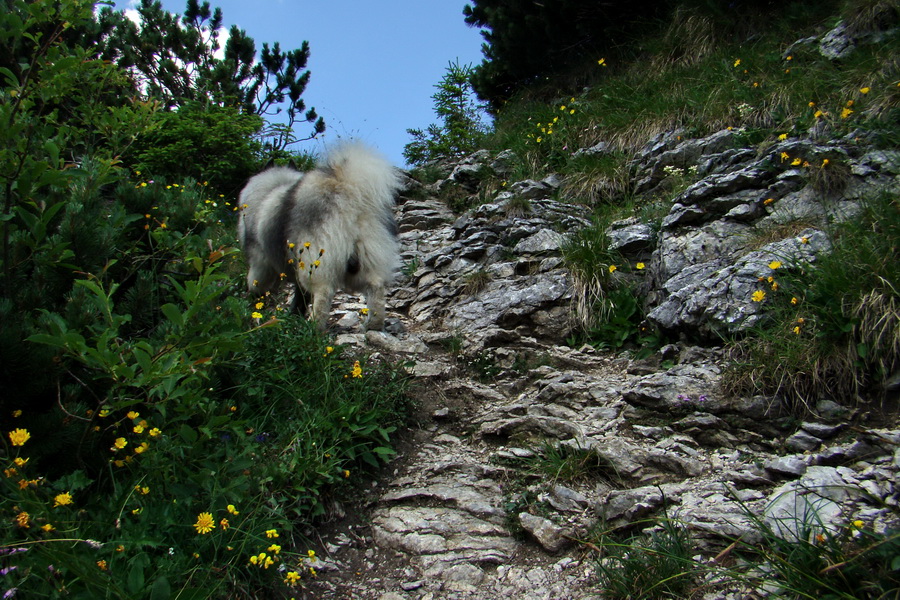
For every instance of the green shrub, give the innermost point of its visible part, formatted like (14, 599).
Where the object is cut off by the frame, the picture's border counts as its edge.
(205, 143)
(831, 327)
(655, 565)
(172, 459)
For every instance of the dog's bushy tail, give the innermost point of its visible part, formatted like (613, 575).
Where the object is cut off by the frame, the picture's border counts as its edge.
(364, 175)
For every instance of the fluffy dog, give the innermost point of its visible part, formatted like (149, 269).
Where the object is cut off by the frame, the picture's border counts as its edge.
(329, 228)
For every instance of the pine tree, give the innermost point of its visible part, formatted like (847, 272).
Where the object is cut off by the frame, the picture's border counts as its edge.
(530, 40)
(461, 124)
(174, 60)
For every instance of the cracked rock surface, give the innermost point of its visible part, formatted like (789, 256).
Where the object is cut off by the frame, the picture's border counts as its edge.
(461, 513)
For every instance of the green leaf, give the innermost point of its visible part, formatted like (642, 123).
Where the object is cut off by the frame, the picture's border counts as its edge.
(188, 434)
(161, 590)
(135, 581)
(173, 314)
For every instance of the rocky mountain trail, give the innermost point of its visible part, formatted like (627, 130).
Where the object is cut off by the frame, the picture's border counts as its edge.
(476, 504)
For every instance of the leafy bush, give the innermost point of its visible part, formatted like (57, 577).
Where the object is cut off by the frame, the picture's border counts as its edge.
(157, 441)
(175, 456)
(204, 143)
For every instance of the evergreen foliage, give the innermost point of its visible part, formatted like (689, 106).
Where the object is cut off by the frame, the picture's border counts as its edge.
(175, 60)
(527, 41)
(461, 127)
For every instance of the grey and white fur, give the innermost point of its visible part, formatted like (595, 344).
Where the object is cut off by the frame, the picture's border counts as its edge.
(339, 214)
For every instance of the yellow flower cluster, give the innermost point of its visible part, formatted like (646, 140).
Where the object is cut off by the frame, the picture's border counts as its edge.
(294, 258)
(545, 130)
(262, 560)
(138, 427)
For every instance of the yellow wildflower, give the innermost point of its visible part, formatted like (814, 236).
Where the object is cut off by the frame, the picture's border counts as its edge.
(291, 578)
(223, 524)
(613, 268)
(119, 444)
(256, 315)
(18, 437)
(274, 549)
(602, 62)
(204, 523)
(640, 266)
(796, 330)
(783, 136)
(737, 63)
(133, 415)
(21, 462)
(63, 499)
(775, 264)
(758, 296)
(271, 533)
(864, 90)
(23, 520)
(357, 370)
(102, 564)
(231, 509)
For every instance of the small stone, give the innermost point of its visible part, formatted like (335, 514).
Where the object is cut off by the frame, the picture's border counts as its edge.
(822, 431)
(550, 536)
(411, 585)
(787, 465)
(802, 442)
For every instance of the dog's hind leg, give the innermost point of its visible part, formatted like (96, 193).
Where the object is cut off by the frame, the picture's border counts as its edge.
(375, 304)
(300, 299)
(261, 279)
(323, 295)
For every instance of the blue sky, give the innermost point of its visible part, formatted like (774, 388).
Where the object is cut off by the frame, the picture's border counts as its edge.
(374, 64)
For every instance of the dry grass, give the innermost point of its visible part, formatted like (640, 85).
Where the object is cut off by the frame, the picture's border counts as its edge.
(877, 316)
(795, 373)
(865, 16)
(689, 39)
(597, 186)
(475, 282)
(588, 301)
